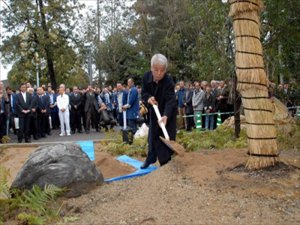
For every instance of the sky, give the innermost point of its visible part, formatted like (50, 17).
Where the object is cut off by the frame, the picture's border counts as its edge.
(4, 69)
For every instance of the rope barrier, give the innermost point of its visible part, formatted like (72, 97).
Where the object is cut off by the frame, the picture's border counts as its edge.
(228, 113)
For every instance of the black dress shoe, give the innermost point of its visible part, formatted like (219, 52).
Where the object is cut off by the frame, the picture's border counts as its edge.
(87, 132)
(19, 141)
(145, 165)
(79, 131)
(27, 141)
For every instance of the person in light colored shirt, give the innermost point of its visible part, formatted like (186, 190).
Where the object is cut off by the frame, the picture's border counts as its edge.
(64, 114)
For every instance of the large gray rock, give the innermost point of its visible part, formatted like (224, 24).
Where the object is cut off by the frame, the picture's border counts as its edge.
(63, 165)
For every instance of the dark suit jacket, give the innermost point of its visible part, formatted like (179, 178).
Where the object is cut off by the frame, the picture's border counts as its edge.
(164, 93)
(222, 104)
(34, 105)
(44, 104)
(75, 101)
(12, 103)
(21, 105)
(90, 101)
(188, 100)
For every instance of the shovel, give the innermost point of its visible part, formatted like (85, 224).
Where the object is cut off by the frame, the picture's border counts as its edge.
(126, 133)
(175, 147)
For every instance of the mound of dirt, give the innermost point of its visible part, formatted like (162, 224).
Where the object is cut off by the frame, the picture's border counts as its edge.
(110, 167)
(198, 188)
(205, 167)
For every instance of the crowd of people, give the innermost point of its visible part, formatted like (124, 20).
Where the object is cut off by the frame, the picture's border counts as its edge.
(30, 113)
(203, 98)
(33, 113)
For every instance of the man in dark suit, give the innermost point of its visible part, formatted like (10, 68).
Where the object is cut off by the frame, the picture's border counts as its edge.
(43, 112)
(158, 89)
(23, 107)
(90, 109)
(188, 103)
(33, 123)
(53, 108)
(75, 102)
(222, 96)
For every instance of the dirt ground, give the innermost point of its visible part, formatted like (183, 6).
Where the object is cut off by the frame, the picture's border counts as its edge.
(207, 187)
(200, 188)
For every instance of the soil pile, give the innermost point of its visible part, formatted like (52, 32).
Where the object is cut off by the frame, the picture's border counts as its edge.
(199, 188)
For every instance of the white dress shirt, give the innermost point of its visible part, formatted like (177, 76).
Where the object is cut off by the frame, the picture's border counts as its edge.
(24, 96)
(63, 102)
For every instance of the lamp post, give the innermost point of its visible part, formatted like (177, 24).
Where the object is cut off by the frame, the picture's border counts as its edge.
(37, 62)
(90, 69)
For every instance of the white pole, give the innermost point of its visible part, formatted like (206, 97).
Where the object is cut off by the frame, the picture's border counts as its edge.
(37, 75)
(124, 121)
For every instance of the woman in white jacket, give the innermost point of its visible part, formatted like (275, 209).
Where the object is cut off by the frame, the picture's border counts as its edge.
(64, 114)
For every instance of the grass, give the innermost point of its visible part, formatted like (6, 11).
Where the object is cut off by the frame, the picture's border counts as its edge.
(118, 147)
(221, 138)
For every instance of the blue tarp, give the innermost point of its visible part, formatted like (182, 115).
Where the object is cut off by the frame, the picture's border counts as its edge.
(134, 163)
(88, 148)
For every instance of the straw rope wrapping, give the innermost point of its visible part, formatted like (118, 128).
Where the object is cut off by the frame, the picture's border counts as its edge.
(253, 83)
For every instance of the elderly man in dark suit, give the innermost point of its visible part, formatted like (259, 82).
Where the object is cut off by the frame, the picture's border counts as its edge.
(43, 112)
(91, 108)
(23, 107)
(75, 102)
(158, 89)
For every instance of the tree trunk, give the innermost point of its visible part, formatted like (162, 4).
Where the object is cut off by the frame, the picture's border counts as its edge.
(48, 47)
(253, 84)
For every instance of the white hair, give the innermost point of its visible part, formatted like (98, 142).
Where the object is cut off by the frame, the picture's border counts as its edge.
(62, 86)
(159, 59)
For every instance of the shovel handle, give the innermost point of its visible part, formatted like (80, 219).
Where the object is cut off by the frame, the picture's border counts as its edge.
(162, 125)
(124, 120)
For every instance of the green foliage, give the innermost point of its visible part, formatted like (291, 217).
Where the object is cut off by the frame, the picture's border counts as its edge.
(4, 193)
(32, 207)
(138, 148)
(41, 30)
(281, 38)
(37, 199)
(30, 219)
(195, 35)
(220, 138)
(38, 204)
(290, 142)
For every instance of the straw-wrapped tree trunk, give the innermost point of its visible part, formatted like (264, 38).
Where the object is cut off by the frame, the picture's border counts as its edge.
(253, 83)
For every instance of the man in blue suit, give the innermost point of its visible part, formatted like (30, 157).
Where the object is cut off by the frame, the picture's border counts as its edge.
(12, 108)
(132, 106)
